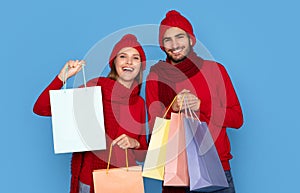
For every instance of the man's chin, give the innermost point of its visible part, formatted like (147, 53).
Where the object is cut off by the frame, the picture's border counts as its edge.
(176, 60)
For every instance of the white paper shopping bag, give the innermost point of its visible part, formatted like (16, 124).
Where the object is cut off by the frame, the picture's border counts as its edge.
(77, 119)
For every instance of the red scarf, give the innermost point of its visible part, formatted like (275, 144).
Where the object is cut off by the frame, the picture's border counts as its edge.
(170, 74)
(115, 92)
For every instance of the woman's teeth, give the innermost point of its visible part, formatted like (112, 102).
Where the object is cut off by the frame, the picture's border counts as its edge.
(128, 69)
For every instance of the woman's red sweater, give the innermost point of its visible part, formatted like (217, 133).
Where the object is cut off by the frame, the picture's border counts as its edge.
(124, 113)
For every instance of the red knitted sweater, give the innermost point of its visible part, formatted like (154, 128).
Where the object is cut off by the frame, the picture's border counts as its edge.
(124, 113)
(208, 80)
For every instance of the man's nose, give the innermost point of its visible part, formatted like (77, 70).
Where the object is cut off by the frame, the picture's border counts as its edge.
(175, 44)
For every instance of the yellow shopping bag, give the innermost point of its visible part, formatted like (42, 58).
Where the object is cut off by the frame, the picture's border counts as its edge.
(156, 154)
(154, 166)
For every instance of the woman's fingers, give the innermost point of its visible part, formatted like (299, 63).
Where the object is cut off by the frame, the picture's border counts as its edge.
(118, 139)
(74, 66)
(124, 142)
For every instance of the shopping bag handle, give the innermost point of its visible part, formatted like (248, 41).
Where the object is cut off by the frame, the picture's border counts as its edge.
(180, 107)
(66, 75)
(109, 157)
(169, 107)
(191, 112)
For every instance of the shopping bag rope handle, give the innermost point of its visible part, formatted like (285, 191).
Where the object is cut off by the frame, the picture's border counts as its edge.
(192, 113)
(109, 156)
(180, 107)
(66, 75)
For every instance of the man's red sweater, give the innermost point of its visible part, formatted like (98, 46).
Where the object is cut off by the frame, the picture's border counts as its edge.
(209, 81)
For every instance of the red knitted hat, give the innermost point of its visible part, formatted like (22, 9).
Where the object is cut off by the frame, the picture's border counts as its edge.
(128, 40)
(175, 19)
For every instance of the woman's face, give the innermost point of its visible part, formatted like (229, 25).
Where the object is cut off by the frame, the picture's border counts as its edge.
(128, 65)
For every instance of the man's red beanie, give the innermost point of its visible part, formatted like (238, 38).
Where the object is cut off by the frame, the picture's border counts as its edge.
(128, 40)
(175, 19)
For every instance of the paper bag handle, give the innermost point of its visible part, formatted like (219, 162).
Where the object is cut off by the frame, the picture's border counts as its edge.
(109, 156)
(66, 75)
(192, 113)
(172, 104)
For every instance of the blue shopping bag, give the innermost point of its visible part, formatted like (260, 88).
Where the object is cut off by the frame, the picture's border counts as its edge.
(204, 166)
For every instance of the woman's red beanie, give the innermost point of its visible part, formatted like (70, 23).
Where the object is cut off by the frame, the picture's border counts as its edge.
(128, 40)
(175, 19)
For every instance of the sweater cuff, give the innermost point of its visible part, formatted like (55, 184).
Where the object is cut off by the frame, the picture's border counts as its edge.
(57, 82)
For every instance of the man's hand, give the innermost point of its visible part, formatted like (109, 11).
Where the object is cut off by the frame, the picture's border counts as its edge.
(191, 101)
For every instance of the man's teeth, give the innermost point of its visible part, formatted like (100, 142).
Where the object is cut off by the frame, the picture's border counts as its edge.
(128, 69)
(177, 51)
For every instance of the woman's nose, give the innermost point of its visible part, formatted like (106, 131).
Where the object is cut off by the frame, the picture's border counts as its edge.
(129, 61)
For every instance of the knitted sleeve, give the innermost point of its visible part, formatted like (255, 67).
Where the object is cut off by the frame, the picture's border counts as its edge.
(42, 105)
(233, 112)
(154, 106)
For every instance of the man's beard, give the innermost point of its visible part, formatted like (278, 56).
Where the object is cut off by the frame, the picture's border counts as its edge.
(176, 61)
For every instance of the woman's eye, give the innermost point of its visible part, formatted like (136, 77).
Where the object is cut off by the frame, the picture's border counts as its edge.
(136, 58)
(121, 56)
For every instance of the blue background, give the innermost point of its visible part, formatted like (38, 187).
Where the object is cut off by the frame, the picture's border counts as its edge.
(257, 41)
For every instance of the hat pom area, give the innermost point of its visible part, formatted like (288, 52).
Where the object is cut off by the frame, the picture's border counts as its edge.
(172, 13)
(130, 37)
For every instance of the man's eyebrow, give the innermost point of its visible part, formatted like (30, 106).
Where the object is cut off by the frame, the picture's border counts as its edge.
(177, 35)
(180, 34)
(166, 38)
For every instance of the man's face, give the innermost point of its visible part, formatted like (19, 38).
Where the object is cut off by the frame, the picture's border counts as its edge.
(177, 44)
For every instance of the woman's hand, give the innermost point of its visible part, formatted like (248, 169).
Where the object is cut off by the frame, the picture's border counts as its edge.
(192, 101)
(74, 66)
(125, 142)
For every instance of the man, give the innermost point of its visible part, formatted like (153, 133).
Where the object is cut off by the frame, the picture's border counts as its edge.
(205, 85)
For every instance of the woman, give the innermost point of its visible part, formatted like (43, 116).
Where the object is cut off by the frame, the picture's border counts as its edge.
(124, 112)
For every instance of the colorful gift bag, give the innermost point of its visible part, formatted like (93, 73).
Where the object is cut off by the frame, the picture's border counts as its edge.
(118, 180)
(204, 166)
(154, 165)
(176, 169)
(77, 119)
(156, 154)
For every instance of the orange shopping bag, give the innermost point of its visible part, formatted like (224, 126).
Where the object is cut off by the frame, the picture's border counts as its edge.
(118, 180)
